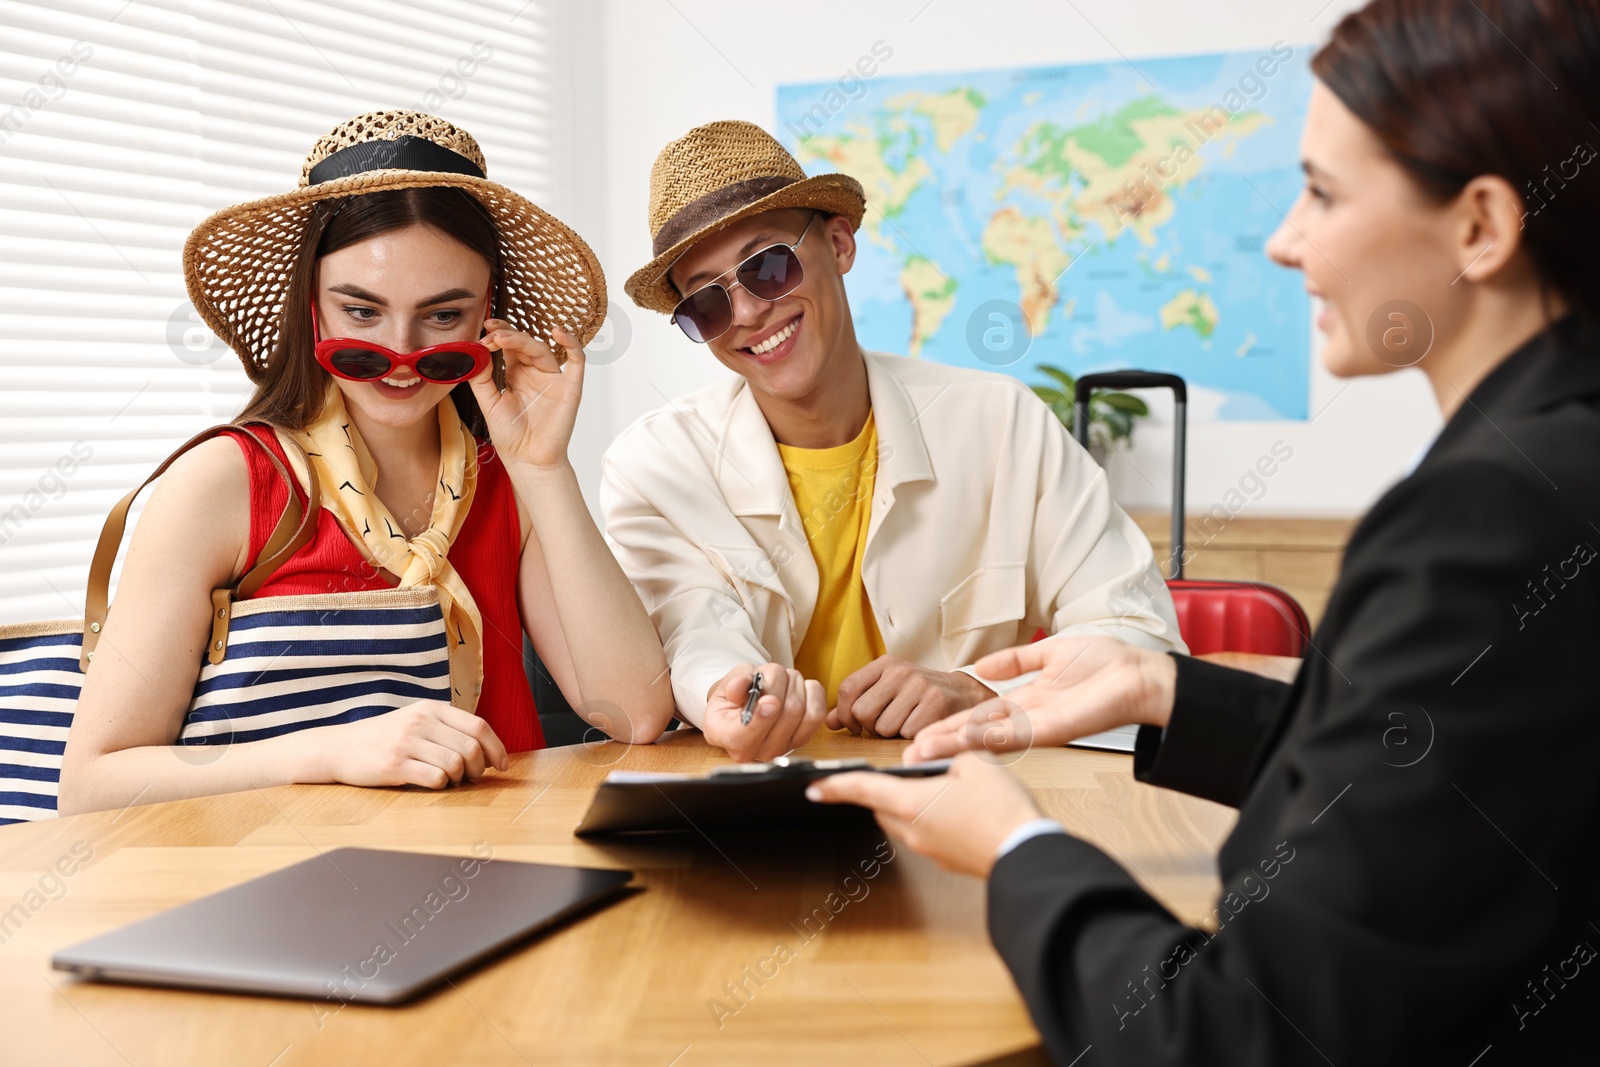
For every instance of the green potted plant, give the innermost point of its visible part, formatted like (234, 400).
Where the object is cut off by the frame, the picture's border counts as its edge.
(1111, 415)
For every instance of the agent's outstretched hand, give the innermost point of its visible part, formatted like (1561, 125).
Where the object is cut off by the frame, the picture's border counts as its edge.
(1086, 685)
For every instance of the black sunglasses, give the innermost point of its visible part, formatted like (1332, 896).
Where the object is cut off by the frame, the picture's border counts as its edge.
(770, 274)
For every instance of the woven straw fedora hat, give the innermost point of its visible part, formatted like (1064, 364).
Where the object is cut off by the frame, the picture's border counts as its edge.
(237, 263)
(712, 177)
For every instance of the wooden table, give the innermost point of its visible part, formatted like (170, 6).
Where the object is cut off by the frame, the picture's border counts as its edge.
(900, 974)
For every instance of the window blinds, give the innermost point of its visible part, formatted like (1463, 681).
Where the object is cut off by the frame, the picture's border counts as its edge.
(122, 125)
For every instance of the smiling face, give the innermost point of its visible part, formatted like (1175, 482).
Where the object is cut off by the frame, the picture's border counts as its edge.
(790, 348)
(405, 289)
(1373, 246)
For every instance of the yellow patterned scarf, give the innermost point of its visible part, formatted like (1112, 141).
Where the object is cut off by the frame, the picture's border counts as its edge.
(347, 477)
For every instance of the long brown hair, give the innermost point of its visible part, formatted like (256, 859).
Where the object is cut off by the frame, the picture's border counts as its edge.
(295, 386)
(1456, 90)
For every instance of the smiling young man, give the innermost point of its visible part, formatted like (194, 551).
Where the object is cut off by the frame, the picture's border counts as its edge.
(858, 528)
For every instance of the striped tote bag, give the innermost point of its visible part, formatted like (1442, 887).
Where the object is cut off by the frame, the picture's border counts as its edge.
(273, 665)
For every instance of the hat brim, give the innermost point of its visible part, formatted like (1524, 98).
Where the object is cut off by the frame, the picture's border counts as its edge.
(836, 194)
(238, 263)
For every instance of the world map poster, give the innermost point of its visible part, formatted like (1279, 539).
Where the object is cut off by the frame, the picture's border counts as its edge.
(1098, 216)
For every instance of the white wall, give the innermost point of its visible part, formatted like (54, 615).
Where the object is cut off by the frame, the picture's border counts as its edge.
(667, 65)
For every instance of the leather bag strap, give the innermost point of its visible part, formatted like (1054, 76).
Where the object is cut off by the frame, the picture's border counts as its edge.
(294, 529)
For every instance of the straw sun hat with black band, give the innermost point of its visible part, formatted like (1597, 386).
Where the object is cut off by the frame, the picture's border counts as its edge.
(237, 263)
(712, 177)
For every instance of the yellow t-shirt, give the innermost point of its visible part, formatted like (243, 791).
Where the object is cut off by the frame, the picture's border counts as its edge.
(833, 491)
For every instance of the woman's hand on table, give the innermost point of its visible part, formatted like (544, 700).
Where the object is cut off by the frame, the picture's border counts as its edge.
(959, 818)
(427, 743)
(1085, 685)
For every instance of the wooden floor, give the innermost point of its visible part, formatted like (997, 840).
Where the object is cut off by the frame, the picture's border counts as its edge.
(1299, 555)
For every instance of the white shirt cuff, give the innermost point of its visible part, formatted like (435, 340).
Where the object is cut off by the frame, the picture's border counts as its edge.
(1030, 829)
(1001, 686)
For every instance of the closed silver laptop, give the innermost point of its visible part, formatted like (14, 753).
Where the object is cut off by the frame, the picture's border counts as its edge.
(352, 924)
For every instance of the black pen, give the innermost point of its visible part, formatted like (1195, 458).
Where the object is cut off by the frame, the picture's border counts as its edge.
(753, 695)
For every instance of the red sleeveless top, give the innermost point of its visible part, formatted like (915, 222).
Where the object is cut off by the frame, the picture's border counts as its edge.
(486, 554)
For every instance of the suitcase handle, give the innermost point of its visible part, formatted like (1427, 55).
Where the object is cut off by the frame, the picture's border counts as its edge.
(1144, 379)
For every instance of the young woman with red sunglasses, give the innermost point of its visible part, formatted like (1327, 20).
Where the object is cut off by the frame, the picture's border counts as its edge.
(386, 299)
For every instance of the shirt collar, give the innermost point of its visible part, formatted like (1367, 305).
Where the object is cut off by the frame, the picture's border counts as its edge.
(750, 471)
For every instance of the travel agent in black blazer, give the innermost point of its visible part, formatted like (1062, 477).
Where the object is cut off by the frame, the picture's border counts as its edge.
(1413, 877)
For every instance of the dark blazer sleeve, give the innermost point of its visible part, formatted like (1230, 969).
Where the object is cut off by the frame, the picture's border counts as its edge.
(1220, 720)
(1372, 893)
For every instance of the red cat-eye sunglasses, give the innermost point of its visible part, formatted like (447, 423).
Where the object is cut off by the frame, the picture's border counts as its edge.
(364, 361)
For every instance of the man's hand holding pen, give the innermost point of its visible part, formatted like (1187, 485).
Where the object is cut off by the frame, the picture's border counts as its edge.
(787, 712)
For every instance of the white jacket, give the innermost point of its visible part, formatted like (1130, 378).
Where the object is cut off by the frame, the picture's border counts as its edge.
(988, 522)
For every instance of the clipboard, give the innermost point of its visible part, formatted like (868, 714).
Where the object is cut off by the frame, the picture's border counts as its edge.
(744, 798)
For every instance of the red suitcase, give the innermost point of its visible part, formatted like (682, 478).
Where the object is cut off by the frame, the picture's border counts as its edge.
(1213, 616)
